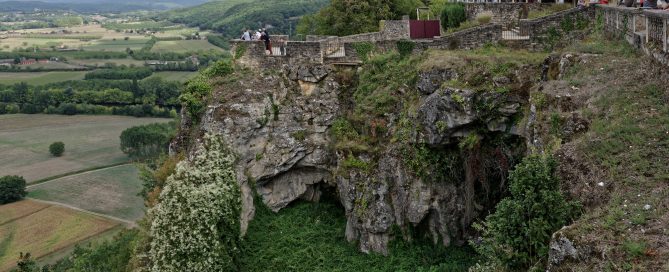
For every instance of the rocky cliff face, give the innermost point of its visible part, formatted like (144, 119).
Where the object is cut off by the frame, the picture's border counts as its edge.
(439, 166)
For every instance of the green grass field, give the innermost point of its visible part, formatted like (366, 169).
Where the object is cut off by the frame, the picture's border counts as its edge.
(44, 43)
(184, 46)
(90, 141)
(111, 191)
(43, 229)
(118, 45)
(175, 76)
(40, 78)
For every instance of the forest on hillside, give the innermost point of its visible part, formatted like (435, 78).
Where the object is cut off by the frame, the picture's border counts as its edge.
(231, 17)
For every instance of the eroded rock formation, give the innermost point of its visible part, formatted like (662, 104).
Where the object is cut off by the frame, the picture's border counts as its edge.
(279, 121)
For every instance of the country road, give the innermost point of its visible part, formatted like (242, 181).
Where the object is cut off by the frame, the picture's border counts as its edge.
(127, 222)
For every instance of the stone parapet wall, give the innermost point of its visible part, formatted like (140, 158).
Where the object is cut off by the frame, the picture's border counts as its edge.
(506, 14)
(469, 38)
(317, 38)
(645, 30)
(304, 52)
(364, 37)
(333, 49)
(318, 48)
(535, 28)
(395, 30)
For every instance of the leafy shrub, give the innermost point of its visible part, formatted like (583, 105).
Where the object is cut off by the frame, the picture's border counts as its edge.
(405, 47)
(56, 149)
(342, 130)
(194, 96)
(196, 225)
(220, 68)
(363, 49)
(12, 188)
(516, 236)
(634, 249)
(351, 162)
(110, 255)
(453, 15)
(240, 50)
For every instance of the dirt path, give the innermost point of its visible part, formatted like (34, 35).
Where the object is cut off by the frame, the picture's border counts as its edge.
(77, 174)
(129, 223)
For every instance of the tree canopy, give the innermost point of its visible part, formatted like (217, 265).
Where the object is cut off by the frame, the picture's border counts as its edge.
(517, 235)
(147, 141)
(345, 17)
(12, 188)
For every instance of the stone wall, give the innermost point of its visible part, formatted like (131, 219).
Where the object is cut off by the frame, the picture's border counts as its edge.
(642, 29)
(304, 53)
(506, 14)
(535, 28)
(364, 37)
(316, 50)
(467, 39)
(317, 38)
(395, 30)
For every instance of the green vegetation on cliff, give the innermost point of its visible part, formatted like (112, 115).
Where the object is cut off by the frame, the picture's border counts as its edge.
(517, 234)
(310, 237)
(195, 226)
(618, 167)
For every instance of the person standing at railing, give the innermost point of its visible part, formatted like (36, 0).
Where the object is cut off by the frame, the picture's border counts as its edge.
(268, 43)
(246, 36)
(652, 4)
(661, 4)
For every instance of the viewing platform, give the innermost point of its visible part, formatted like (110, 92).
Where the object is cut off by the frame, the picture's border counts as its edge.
(645, 29)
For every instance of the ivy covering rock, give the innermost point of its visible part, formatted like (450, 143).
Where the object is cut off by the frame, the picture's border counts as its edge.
(196, 224)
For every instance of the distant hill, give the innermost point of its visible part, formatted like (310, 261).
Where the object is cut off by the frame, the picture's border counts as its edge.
(94, 5)
(231, 16)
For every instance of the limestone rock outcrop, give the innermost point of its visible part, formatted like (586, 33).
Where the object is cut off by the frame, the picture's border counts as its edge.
(278, 122)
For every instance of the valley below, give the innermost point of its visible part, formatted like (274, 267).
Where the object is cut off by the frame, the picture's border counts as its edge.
(351, 136)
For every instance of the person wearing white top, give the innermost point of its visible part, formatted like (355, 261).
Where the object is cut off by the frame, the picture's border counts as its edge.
(246, 36)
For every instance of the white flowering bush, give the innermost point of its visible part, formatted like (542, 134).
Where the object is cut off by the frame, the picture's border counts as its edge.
(196, 223)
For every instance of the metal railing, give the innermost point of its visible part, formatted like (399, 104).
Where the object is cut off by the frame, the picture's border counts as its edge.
(333, 48)
(655, 27)
(279, 49)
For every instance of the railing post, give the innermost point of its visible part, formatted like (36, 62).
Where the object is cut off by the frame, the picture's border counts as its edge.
(617, 20)
(633, 23)
(664, 34)
(647, 30)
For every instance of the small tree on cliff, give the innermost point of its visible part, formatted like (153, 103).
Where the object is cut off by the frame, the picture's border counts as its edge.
(195, 225)
(517, 235)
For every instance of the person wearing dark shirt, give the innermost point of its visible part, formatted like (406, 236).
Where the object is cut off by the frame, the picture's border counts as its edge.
(268, 42)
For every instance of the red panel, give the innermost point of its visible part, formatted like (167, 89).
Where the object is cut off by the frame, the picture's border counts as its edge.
(417, 29)
(424, 29)
(432, 29)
